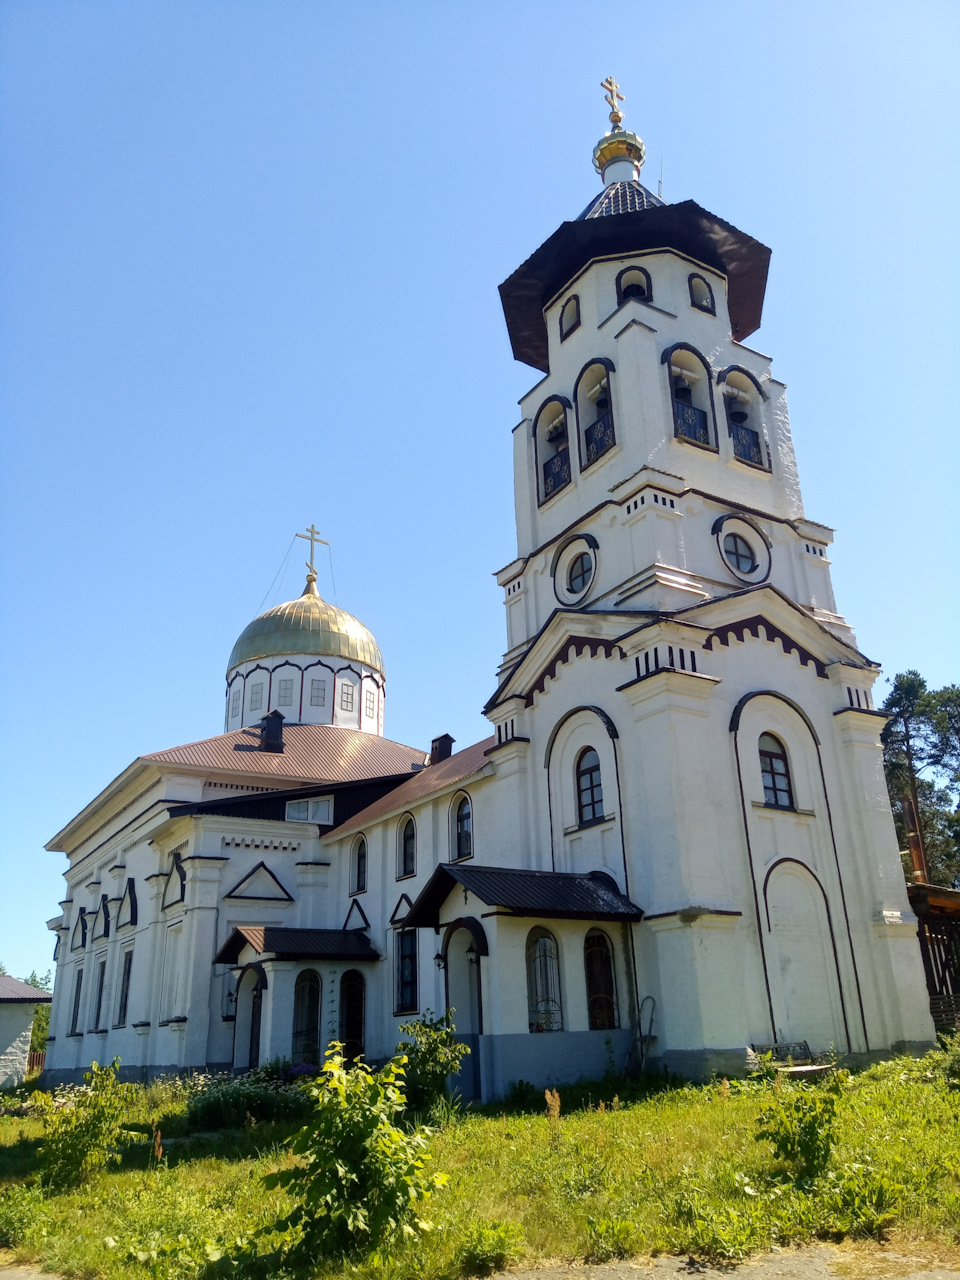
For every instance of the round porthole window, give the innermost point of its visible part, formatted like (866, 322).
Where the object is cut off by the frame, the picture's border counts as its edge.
(744, 549)
(574, 569)
(739, 553)
(580, 573)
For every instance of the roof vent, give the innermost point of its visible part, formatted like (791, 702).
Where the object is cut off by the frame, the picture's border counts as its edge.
(271, 732)
(440, 748)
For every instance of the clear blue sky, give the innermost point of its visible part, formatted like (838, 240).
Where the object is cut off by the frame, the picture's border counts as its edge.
(249, 257)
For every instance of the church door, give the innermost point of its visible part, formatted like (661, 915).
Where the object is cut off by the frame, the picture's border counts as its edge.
(463, 996)
(805, 987)
(352, 999)
(256, 1009)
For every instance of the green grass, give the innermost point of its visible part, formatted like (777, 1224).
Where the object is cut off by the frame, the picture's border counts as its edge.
(672, 1169)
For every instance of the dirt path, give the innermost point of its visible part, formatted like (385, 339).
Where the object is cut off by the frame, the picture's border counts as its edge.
(904, 1261)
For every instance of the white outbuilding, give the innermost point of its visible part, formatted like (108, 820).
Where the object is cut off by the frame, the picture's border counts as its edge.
(674, 849)
(18, 1004)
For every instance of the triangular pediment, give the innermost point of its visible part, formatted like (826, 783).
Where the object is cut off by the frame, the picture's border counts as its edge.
(127, 914)
(356, 917)
(565, 636)
(78, 939)
(260, 885)
(399, 912)
(175, 889)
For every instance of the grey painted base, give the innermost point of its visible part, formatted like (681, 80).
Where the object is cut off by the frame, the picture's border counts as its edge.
(52, 1077)
(546, 1060)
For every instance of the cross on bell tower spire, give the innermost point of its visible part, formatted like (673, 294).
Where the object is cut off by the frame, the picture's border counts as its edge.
(312, 536)
(613, 96)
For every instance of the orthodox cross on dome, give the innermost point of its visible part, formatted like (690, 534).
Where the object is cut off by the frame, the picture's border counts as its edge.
(613, 96)
(313, 537)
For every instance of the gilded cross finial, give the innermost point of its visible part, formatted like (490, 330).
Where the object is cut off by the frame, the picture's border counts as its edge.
(613, 96)
(313, 537)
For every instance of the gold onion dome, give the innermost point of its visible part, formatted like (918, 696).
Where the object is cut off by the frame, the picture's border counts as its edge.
(619, 144)
(307, 625)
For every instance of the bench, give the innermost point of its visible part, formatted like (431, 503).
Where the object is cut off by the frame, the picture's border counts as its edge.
(795, 1060)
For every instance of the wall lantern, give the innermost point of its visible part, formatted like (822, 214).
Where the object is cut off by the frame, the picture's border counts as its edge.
(472, 955)
(439, 961)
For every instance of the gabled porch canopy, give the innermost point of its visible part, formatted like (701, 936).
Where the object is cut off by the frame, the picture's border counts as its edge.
(560, 895)
(297, 944)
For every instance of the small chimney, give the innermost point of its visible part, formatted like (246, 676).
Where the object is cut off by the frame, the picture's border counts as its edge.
(271, 732)
(440, 748)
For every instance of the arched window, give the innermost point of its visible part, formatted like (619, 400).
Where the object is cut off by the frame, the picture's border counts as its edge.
(408, 849)
(545, 1012)
(589, 788)
(742, 399)
(463, 830)
(777, 787)
(601, 983)
(701, 295)
(352, 1014)
(569, 317)
(551, 440)
(633, 282)
(306, 1019)
(358, 870)
(693, 419)
(595, 412)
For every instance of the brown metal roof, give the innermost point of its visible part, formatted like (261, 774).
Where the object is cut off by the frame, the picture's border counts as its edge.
(312, 752)
(297, 944)
(436, 777)
(13, 991)
(561, 895)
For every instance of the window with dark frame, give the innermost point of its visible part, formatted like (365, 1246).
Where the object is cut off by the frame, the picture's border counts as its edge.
(406, 971)
(305, 1045)
(569, 317)
(75, 1013)
(775, 770)
(580, 572)
(127, 966)
(589, 787)
(360, 867)
(408, 849)
(739, 553)
(463, 834)
(98, 1005)
(544, 1009)
(601, 984)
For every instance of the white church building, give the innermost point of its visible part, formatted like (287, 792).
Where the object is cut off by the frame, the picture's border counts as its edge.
(676, 842)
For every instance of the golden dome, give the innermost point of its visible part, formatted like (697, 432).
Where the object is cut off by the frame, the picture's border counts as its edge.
(619, 144)
(307, 625)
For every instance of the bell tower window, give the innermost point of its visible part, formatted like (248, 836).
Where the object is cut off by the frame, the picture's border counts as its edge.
(552, 447)
(690, 396)
(633, 282)
(742, 399)
(569, 317)
(701, 295)
(595, 412)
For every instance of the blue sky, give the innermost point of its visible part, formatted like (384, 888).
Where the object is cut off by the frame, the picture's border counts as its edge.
(249, 257)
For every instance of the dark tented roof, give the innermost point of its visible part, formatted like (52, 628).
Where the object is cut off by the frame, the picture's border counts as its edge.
(557, 894)
(13, 991)
(297, 944)
(621, 197)
(685, 227)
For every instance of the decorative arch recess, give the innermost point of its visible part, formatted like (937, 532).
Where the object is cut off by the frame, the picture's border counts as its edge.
(628, 288)
(473, 927)
(771, 693)
(605, 720)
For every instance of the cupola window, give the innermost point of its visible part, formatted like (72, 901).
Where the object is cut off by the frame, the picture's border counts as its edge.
(235, 703)
(369, 704)
(551, 439)
(633, 282)
(569, 317)
(285, 693)
(256, 697)
(318, 693)
(595, 413)
(690, 396)
(701, 295)
(346, 697)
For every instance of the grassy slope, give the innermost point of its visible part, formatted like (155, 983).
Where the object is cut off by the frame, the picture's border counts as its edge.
(677, 1169)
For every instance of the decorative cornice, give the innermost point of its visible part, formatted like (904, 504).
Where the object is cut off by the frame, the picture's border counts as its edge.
(751, 626)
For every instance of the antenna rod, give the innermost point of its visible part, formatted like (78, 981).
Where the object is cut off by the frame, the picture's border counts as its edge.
(660, 183)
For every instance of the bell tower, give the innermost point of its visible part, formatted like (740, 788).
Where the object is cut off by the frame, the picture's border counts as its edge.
(653, 464)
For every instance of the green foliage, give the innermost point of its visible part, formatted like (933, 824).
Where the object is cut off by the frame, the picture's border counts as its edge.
(230, 1103)
(20, 1207)
(433, 1053)
(361, 1179)
(610, 1238)
(490, 1246)
(799, 1122)
(81, 1132)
